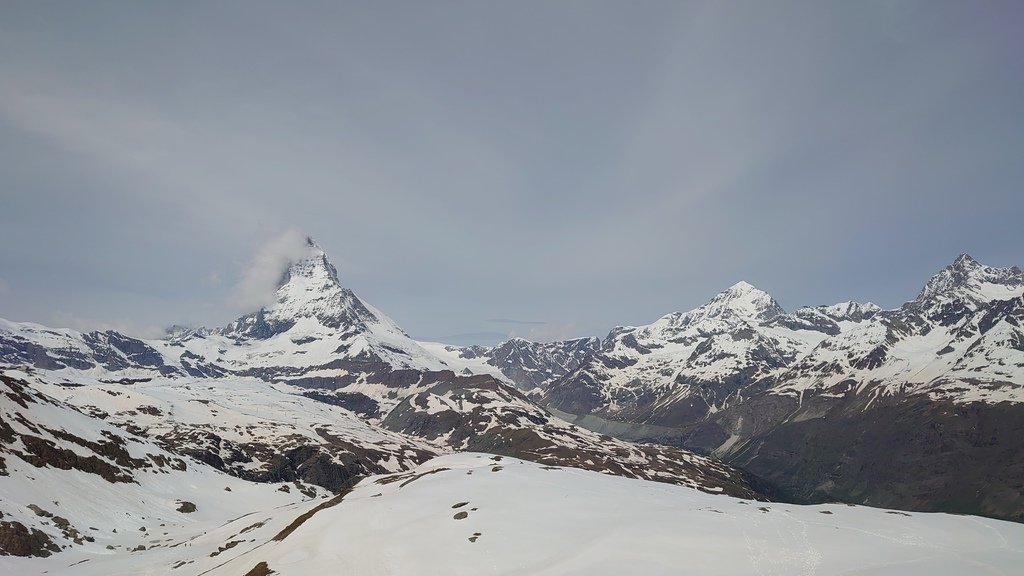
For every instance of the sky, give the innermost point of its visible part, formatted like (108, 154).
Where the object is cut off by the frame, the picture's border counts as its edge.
(482, 169)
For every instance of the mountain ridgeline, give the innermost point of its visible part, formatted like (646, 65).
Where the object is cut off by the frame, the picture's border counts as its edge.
(311, 393)
(919, 407)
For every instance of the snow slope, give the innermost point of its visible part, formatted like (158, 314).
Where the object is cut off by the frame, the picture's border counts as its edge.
(476, 514)
(91, 488)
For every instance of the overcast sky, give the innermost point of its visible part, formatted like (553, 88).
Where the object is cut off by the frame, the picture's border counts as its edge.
(478, 169)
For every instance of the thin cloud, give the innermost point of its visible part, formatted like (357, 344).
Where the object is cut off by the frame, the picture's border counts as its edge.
(517, 322)
(259, 282)
(62, 319)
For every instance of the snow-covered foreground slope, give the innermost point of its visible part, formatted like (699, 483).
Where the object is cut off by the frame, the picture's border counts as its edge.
(477, 514)
(522, 518)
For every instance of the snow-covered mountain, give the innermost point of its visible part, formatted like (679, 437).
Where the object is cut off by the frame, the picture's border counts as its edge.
(959, 339)
(530, 366)
(729, 376)
(315, 333)
(689, 364)
(299, 389)
(213, 450)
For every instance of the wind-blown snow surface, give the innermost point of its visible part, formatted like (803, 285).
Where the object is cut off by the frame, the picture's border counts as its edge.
(474, 514)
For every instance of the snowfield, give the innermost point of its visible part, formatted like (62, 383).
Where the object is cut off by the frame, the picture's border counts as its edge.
(478, 514)
(527, 519)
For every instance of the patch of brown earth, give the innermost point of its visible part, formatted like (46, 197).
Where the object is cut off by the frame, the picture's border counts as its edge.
(307, 515)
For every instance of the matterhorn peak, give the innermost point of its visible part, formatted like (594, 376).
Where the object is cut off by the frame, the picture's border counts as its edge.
(310, 264)
(308, 289)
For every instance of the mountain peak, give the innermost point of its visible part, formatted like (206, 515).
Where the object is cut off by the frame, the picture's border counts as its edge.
(308, 288)
(968, 279)
(311, 264)
(741, 287)
(741, 300)
(964, 262)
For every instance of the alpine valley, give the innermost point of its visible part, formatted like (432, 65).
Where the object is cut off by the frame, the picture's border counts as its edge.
(315, 436)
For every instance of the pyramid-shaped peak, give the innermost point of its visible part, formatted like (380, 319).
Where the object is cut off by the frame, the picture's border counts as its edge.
(742, 287)
(743, 300)
(308, 289)
(964, 261)
(310, 264)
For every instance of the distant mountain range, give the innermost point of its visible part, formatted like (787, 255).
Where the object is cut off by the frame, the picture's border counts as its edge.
(919, 407)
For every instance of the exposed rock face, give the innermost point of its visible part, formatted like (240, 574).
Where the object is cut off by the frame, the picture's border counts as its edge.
(18, 540)
(23, 437)
(532, 365)
(49, 349)
(481, 414)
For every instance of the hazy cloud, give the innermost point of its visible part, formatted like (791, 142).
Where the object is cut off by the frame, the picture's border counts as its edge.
(259, 282)
(126, 326)
(511, 321)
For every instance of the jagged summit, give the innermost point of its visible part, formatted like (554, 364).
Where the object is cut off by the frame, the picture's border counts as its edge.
(314, 264)
(310, 289)
(972, 281)
(849, 310)
(964, 259)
